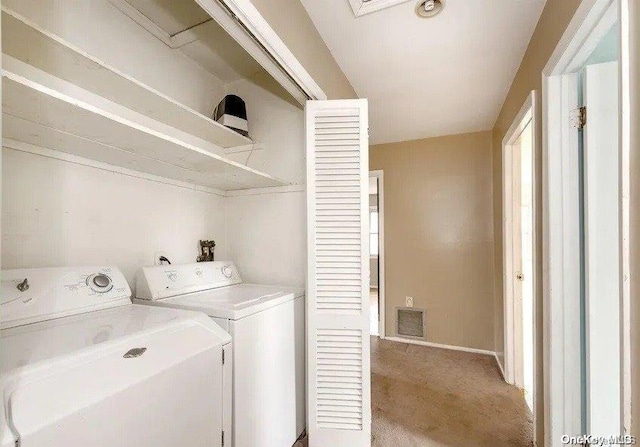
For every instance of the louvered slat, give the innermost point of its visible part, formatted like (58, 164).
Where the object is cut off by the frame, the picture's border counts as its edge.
(337, 410)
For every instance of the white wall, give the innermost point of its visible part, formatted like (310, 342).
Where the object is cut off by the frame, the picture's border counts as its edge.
(267, 236)
(58, 213)
(101, 30)
(266, 232)
(61, 213)
(278, 127)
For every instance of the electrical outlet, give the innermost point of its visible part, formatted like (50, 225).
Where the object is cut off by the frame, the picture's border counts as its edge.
(157, 255)
(408, 301)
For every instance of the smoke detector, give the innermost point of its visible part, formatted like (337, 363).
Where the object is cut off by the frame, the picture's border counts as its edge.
(429, 8)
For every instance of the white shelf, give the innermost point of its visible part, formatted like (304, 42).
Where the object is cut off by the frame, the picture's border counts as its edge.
(57, 98)
(26, 41)
(36, 114)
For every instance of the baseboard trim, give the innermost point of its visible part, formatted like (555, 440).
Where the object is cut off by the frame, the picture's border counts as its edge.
(441, 346)
(504, 376)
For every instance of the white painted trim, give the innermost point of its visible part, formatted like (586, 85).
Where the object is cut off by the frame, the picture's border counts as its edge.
(602, 249)
(525, 116)
(70, 158)
(257, 37)
(262, 191)
(577, 33)
(382, 301)
(361, 7)
(561, 262)
(625, 142)
(504, 377)
(441, 346)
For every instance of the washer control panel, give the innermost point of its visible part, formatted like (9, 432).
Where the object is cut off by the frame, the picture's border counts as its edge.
(227, 271)
(164, 281)
(56, 292)
(99, 282)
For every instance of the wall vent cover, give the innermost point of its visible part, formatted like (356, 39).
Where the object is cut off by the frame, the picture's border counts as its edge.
(410, 322)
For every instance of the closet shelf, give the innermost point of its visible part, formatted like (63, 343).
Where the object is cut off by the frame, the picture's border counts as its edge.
(58, 98)
(86, 125)
(39, 48)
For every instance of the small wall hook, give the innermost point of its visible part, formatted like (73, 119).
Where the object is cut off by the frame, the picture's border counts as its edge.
(24, 285)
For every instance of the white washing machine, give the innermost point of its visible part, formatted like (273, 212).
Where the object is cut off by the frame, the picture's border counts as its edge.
(266, 324)
(82, 366)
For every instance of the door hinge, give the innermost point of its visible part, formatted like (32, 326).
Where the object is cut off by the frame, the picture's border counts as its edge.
(222, 438)
(223, 356)
(579, 118)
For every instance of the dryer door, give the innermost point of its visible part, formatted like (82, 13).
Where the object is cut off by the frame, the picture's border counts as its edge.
(161, 390)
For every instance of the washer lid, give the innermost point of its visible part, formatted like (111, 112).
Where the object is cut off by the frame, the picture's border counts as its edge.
(108, 394)
(232, 302)
(48, 341)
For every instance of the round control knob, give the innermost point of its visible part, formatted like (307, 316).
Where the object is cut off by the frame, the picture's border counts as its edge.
(100, 283)
(226, 271)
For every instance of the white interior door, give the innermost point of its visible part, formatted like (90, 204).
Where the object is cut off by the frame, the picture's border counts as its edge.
(338, 364)
(522, 250)
(518, 276)
(602, 249)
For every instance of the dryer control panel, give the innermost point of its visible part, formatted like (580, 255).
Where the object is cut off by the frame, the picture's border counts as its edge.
(32, 295)
(165, 281)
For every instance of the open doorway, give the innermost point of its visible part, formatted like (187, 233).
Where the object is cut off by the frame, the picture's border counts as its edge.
(376, 248)
(519, 251)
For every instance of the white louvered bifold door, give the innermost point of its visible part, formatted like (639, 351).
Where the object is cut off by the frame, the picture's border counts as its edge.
(338, 368)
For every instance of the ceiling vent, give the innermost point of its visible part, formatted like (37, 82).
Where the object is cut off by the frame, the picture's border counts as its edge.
(429, 8)
(362, 7)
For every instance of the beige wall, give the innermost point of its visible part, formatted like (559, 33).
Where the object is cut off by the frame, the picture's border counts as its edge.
(552, 24)
(290, 21)
(439, 234)
(635, 214)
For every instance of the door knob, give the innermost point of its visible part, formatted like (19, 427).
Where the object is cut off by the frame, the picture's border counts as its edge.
(519, 276)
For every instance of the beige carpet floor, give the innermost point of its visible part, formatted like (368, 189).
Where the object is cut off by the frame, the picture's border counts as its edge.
(430, 397)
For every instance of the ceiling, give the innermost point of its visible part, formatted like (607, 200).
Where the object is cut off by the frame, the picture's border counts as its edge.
(429, 77)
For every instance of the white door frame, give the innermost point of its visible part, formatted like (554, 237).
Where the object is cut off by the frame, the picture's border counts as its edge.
(381, 264)
(527, 115)
(561, 244)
